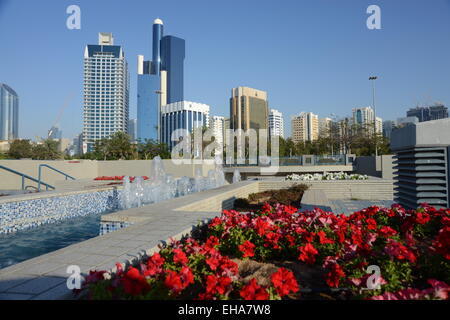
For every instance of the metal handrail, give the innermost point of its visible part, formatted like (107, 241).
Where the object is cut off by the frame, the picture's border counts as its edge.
(51, 168)
(25, 176)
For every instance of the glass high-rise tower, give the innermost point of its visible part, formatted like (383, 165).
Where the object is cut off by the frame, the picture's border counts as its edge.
(160, 81)
(106, 90)
(9, 113)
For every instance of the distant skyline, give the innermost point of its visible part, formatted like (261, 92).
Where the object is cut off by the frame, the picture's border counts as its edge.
(314, 56)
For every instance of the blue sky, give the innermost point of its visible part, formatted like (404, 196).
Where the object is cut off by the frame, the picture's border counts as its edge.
(310, 55)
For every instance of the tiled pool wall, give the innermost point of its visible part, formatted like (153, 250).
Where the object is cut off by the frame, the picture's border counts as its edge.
(20, 215)
(107, 227)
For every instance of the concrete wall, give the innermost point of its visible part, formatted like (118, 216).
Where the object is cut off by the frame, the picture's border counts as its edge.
(382, 166)
(372, 189)
(87, 169)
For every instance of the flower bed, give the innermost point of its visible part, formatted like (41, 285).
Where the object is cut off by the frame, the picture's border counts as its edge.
(291, 196)
(326, 176)
(410, 248)
(117, 178)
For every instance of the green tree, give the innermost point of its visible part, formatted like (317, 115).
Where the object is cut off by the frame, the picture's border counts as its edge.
(151, 148)
(47, 150)
(20, 149)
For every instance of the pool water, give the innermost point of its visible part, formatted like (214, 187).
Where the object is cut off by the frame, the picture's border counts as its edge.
(28, 244)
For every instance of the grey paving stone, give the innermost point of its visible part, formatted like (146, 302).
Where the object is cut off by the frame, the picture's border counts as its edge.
(37, 286)
(130, 244)
(57, 293)
(69, 257)
(62, 272)
(94, 260)
(40, 268)
(11, 280)
(15, 296)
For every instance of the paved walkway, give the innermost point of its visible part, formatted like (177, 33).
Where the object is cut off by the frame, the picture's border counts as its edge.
(349, 206)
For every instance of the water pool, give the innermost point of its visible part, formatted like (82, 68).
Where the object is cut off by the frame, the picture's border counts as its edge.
(30, 243)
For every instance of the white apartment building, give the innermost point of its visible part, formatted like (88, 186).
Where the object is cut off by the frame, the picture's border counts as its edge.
(276, 123)
(106, 91)
(365, 117)
(217, 125)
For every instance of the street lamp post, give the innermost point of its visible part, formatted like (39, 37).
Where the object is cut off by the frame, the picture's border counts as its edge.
(373, 78)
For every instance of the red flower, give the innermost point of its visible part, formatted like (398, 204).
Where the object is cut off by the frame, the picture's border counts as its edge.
(272, 240)
(284, 282)
(211, 243)
(387, 232)
(134, 283)
(397, 250)
(333, 277)
(178, 282)
(308, 253)
(371, 224)
(218, 285)
(252, 291)
(422, 217)
(290, 209)
(180, 257)
(308, 236)
(323, 238)
(442, 242)
(291, 240)
(173, 281)
(247, 249)
(187, 277)
(215, 222)
(154, 265)
(213, 263)
(261, 226)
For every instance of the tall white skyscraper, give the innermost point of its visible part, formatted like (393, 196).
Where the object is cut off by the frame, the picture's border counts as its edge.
(217, 125)
(276, 123)
(106, 90)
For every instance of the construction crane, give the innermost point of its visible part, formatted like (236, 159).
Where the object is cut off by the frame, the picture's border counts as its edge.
(60, 114)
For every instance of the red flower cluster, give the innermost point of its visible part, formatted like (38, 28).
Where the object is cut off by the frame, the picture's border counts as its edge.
(247, 249)
(284, 282)
(308, 253)
(409, 247)
(117, 178)
(253, 291)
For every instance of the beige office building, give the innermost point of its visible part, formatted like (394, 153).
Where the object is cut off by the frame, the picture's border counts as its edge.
(305, 127)
(249, 109)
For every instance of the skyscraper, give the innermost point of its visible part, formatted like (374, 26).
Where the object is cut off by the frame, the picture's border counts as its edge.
(172, 61)
(249, 109)
(276, 123)
(9, 113)
(106, 90)
(434, 112)
(365, 118)
(132, 129)
(55, 133)
(185, 115)
(388, 126)
(160, 81)
(305, 127)
(217, 125)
